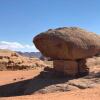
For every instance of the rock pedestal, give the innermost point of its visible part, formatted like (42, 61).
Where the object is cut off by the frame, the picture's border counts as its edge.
(68, 67)
(71, 46)
(82, 67)
(71, 67)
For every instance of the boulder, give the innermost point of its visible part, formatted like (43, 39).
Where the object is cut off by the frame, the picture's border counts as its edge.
(68, 43)
(68, 48)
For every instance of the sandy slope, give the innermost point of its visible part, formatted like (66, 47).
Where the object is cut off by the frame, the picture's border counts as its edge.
(7, 77)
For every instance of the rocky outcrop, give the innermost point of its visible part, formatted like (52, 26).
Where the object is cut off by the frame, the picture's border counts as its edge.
(70, 46)
(10, 60)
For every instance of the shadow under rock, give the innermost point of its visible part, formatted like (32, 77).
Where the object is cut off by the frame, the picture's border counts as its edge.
(45, 78)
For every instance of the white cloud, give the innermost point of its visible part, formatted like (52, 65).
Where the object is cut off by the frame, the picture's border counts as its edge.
(16, 46)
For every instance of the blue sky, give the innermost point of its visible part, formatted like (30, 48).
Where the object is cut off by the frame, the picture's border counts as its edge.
(21, 20)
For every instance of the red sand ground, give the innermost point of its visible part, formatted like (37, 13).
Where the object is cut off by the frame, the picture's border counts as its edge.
(14, 76)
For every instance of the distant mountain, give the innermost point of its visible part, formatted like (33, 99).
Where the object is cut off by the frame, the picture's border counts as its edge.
(30, 54)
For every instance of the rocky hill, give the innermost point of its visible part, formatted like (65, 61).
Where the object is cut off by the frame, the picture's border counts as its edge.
(10, 60)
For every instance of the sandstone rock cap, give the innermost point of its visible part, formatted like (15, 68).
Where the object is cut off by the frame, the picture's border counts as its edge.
(68, 43)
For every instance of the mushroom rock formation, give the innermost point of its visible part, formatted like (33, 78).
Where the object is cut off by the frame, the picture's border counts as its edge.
(69, 48)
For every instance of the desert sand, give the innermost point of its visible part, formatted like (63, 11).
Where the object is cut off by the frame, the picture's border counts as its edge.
(10, 77)
(41, 83)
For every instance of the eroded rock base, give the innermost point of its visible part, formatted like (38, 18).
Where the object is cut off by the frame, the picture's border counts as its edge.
(71, 67)
(82, 67)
